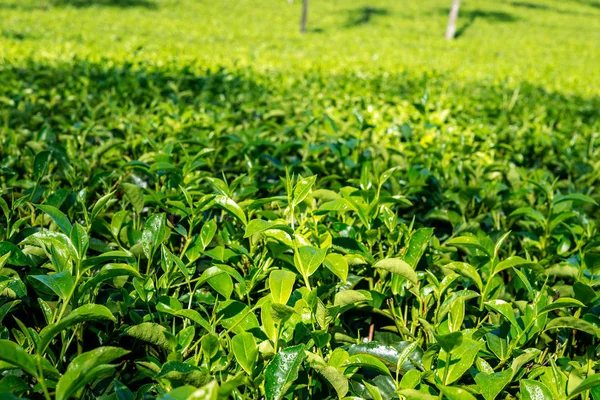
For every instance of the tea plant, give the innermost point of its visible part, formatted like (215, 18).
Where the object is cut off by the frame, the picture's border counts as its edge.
(197, 230)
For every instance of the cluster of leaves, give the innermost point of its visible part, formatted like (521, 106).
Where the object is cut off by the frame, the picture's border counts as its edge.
(184, 236)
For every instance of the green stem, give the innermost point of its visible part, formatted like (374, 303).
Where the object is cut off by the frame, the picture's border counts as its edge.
(41, 380)
(306, 282)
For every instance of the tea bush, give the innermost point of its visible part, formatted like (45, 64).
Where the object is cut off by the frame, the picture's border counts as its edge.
(199, 229)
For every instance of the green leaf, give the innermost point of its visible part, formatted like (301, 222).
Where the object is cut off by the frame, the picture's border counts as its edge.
(231, 207)
(453, 365)
(492, 384)
(79, 239)
(469, 242)
(373, 390)
(210, 345)
(245, 351)
(588, 383)
(107, 272)
(399, 267)
(308, 258)
(282, 371)
(100, 204)
(61, 283)
(41, 162)
(522, 359)
(281, 284)
(221, 282)
(413, 394)
(368, 361)
(347, 297)
(236, 316)
(529, 212)
(207, 233)
(511, 262)
(58, 217)
(534, 390)
(153, 234)
(456, 393)
(336, 205)
(573, 323)
(14, 354)
(468, 271)
(149, 332)
(390, 355)
(281, 312)
(504, 309)
(302, 189)
(449, 341)
(574, 197)
(457, 315)
(135, 195)
(411, 379)
(560, 303)
(210, 391)
(179, 373)
(123, 392)
(195, 316)
(180, 393)
(417, 246)
(337, 264)
(88, 312)
(16, 256)
(79, 372)
(335, 378)
(258, 225)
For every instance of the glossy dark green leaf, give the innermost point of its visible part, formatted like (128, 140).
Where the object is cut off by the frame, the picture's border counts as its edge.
(14, 354)
(366, 361)
(58, 217)
(573, 323)
(282, 371)
(80, 371)
(88, 312)
(561, 303)
(41, 162)
(578, 197)
(60, 283)
(16, 256)
(153, 234)
(109, 271)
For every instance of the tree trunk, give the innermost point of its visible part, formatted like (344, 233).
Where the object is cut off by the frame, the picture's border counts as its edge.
(304, 16)
(451, 29)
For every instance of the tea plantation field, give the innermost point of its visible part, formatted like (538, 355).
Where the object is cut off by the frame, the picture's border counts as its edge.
(199, 202)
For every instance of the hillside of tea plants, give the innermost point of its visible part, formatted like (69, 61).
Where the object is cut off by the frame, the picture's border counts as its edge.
(199, 202)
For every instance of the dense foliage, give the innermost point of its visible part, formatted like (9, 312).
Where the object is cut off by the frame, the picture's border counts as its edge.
(185, 230)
